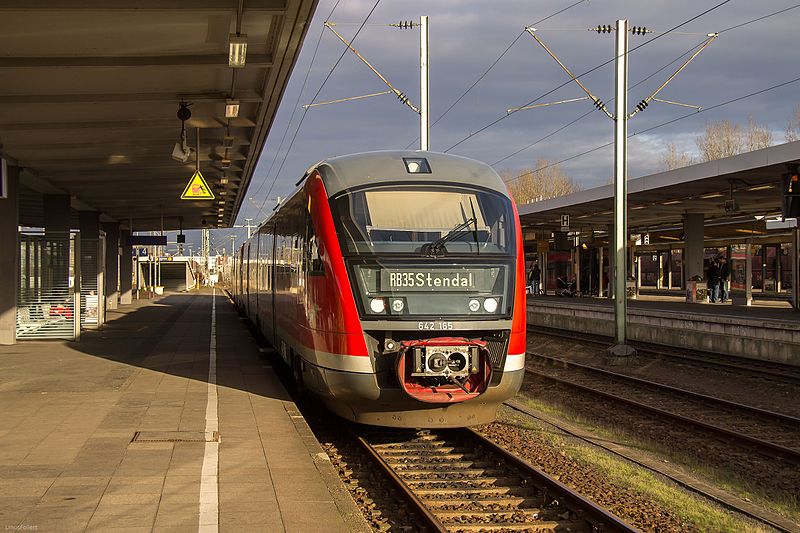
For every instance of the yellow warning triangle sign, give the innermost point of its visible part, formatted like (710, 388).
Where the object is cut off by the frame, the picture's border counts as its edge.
(197, 189)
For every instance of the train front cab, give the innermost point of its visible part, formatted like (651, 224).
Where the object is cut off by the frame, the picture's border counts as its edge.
(413, 323)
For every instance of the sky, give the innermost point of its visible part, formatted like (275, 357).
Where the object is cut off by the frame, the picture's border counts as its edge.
(468, 36)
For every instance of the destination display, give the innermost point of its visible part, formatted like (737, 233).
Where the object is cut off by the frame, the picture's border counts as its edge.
(426, 280)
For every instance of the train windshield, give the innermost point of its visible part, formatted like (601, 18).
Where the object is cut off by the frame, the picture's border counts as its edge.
(424, 220)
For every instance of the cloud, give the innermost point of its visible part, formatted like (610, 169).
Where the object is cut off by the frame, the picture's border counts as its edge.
(468, 35)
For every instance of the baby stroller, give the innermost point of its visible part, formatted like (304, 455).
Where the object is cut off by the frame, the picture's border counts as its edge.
(565, 287)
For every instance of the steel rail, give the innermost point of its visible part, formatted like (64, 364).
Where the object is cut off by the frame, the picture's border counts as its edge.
(598, 517)
(776, 521)
(695, 395)
(775, 450)
(737, 362)
(427, 516)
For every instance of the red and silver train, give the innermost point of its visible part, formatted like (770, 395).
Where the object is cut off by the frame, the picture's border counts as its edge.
(393, 284)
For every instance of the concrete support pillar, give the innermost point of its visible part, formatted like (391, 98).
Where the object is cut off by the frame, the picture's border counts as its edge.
(56, 212)
(56, 226)
(125, 268)
(601, 284)
(693, 245)
(112, 264)
(92, 278)
(9, 258)
(611, 262)
(795, 255)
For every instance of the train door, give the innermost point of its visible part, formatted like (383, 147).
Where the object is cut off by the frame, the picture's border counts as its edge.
(256, 286)
(246, 277)
(272, 289)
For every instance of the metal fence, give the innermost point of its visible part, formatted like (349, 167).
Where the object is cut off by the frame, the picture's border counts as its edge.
(92, 269)
(46, 292)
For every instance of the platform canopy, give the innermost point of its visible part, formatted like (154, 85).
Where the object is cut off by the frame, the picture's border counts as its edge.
(89, 91)
(735, 194)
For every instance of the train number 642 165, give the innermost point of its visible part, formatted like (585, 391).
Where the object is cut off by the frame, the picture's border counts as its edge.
(434, 325)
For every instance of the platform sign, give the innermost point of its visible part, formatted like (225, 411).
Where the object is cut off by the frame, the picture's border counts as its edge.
(197, 188)
(564, 222)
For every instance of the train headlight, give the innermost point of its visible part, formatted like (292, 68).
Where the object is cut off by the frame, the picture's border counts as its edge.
(398, 305)
(474, 305)
(490, 305)
(377, 305)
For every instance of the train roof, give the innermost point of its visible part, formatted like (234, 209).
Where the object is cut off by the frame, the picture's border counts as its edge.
(348, 171)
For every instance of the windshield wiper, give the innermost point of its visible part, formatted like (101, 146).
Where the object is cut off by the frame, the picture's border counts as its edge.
(436, 247)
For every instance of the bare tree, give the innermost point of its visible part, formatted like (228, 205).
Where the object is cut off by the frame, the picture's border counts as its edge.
(757, 136)
(724, 139)
(793, 126)
(545, 181)
(674, 158)
(721, 139)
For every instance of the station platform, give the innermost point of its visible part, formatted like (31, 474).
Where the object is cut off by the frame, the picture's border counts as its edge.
(149, 425)
(769, 331)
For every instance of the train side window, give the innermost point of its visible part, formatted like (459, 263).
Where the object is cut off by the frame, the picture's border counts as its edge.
(313, 259)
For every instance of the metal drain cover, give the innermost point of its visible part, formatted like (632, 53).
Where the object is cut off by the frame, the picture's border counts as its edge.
(176, 436)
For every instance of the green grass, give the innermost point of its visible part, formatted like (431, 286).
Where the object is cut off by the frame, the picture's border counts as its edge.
(705, 515)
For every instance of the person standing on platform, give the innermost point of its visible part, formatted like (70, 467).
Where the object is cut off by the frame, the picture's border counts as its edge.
(534, 277)
(724, 277)
(713, 281)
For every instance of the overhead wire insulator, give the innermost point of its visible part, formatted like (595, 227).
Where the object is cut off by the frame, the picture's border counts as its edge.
(402, 97)
(603, 28)
(639, 30)
(642, 105)
(599, 104)
(404, 24)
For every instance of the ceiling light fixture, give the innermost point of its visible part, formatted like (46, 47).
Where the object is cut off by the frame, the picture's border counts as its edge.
(760, 187)
(672, 202)
(227, 141)
(714, 195)
(237, 51)
(225, 163)
(223, 181)
(222, 202)
(231, 109)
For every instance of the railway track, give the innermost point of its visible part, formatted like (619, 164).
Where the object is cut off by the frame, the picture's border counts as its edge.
(773, 434)
(768, 370)
(777, 432)
(461, 481)
(722, 498)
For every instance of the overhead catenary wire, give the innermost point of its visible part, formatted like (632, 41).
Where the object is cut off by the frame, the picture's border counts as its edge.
(601, 65)
(400, 95)
(305, 111)
(495, 62)
(645, 79)
(587, 113)
(666, 123)
(294, 108)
